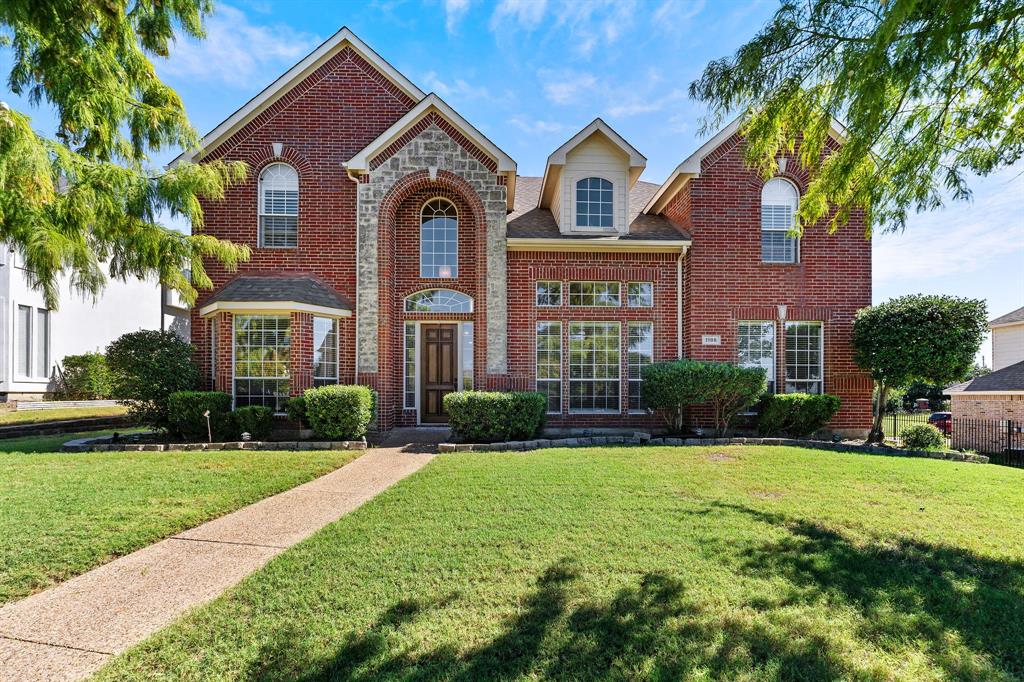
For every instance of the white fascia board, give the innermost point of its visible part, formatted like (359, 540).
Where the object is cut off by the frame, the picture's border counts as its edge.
(1003, 325)
(293, 76)
(1019, 391)
(271, 307)
(606, 244)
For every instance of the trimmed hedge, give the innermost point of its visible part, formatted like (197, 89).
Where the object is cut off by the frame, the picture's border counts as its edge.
(485, 417)
(922, 437)
(339, 412)
(796, 414)
(86, 377)
(296, 409)
(256, 420)
(185, 414)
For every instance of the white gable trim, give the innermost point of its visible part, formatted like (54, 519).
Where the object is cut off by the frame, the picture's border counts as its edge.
(267, 307)
(273, 92)
(690, 167)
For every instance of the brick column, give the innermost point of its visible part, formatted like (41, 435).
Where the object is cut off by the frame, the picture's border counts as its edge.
(302, 352)
(225, 351)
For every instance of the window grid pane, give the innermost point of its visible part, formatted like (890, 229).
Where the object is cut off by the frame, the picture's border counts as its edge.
(325, 351)
(410, 365)
(595, 294)
(755, 347)
(549, 294)
(594, 203)
(779, 203)
(279, 206)
(640, 294)
(549, 364)
(594, 356)
(640, 354)
(262, 355)
(438, 301)
(803, 357)
(439, 234)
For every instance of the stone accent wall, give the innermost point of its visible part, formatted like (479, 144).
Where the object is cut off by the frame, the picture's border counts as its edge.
(432, 148)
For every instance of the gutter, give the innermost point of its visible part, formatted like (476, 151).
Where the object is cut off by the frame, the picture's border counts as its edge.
(355, 327)
(679, 304)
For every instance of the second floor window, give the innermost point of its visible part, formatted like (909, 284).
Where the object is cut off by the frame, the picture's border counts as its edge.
(779, 203)
(594, 204)
(439, 246)
(279, 206)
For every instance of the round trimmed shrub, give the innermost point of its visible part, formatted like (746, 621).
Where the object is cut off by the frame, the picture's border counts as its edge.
(185, 414)
(922, 437)
(796, 414)
(487, 417)
(256, 420)
(339, 412)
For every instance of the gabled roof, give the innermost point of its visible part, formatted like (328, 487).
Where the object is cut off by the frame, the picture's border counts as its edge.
(271, 293)
(1009, 379)
(690, 167)
(273, 92)
(556, 160)
(434, 104)
(1012, 317)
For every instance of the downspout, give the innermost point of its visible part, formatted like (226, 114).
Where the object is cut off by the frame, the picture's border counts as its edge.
(679, 304)
(355, 323)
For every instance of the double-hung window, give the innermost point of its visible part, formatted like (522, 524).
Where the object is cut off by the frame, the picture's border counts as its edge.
(804, 357)
(595, 294)
(549, 294)
(279, 206)
(549, 364)
(640, 354)
(594, 357)
(755, 347)
(325, 351)
(779, 203)
(32, 348)
(263, 345)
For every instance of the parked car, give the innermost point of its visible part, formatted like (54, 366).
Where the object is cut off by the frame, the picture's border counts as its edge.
(943, 421)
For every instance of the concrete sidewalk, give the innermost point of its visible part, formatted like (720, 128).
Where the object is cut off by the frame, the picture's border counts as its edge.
(70, 630)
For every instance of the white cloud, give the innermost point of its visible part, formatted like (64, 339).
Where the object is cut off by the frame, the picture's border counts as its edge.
(567, 86)
(235, 51)
(538, 127)
(590, 22)
(526, 14)
(454, 10)
(458, 89)
(675, 15)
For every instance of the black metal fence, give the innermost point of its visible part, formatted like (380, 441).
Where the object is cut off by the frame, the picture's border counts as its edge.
(1002, 440)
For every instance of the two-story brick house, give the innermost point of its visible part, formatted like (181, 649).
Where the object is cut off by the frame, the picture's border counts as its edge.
(394, 245)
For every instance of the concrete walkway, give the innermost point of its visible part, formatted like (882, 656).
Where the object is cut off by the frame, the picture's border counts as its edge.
(70, 630)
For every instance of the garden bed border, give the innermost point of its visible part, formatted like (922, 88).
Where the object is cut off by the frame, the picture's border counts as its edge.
(645, 439)
(91, 445)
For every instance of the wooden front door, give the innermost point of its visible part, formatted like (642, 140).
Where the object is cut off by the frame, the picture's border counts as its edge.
(439, 374)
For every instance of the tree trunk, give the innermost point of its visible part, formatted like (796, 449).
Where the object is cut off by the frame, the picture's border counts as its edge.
(876, 435)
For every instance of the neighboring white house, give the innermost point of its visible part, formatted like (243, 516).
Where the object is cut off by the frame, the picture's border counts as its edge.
(34, 340)
(1007, 339)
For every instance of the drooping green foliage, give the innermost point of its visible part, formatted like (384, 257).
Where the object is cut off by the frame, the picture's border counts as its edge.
(932, 339)
(185, 415)
(147, 367)
(85, 205)
(340, 412)
(670, 387)
(796, 414)
(928, 90)
(485, 417)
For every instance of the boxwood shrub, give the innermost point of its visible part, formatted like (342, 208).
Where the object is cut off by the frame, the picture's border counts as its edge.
(256, 420)
(296, 409)
(185, 414)
(796, 414)
(922, 437)
(484, 417)
(339, 412)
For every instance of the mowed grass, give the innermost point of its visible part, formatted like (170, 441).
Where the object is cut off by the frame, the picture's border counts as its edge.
(62, 514)
(12, 417)
(732, 563)
(53, 443)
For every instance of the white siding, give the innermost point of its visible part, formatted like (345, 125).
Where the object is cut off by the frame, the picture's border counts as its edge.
(1007, 346)
(594, 157)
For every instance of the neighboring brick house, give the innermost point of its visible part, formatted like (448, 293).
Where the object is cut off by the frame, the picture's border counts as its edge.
(394, 245)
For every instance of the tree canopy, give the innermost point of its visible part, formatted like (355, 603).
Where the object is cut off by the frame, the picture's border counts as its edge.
(85, 204)
(928, 90)
(932, 339)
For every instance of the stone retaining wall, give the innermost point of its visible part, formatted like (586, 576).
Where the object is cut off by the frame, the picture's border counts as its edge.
(93, 445)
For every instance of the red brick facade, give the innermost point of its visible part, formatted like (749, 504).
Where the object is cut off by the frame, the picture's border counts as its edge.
(346, 103)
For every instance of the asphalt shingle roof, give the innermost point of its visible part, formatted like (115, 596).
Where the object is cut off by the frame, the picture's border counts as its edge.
(1009, 378)
(529, 222)
(1014, 316)
(308, 290)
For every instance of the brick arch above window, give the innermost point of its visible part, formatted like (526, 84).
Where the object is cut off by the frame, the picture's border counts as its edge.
(264, 156)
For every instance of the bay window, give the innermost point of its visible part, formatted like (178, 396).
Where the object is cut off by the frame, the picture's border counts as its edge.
(325, 351)
(262, 355)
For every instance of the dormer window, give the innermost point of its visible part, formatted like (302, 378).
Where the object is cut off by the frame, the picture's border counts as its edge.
(594, 204)
(279, 206)
(779, 203)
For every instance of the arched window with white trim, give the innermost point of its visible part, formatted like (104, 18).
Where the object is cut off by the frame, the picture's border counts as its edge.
(779, 203)
(594, 204)
(439, 240)
(279, 206)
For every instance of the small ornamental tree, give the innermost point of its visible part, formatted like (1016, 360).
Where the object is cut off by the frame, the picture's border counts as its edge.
(917, 338)
(147, 367)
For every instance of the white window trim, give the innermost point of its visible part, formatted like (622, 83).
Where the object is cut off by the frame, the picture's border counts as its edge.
(821, 348)
(568, 375)
(583, 175)
(337, 349)
(561, 363)
(458, 222)
(234, 344)
(796, 209)
(773, 379)
(260, 206)
(536, 294)
(650, 305)
(33, 360)
(568, 293)
(628, 325)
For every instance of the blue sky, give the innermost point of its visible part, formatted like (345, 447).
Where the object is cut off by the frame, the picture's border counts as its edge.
(530, 73)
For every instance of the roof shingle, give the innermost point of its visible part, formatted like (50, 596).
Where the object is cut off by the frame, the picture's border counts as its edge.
(1013, 316)
(1009, 378)
(305, 289)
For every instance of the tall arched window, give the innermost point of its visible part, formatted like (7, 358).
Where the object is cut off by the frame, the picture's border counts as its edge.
(439, 235)
(279, 206)
(594, 203)
(779, 202)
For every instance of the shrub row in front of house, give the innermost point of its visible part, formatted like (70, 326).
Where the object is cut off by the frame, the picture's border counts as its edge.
(487, 417)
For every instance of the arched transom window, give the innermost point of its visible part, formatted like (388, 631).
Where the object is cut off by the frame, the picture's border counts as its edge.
(779, 203)
(439, 245)
(279, 206)
(594, 203)
(438, 301)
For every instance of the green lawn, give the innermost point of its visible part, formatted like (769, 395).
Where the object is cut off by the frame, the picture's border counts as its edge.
(53, 443)
(733, 563)
(12, 417)
(62, 514)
